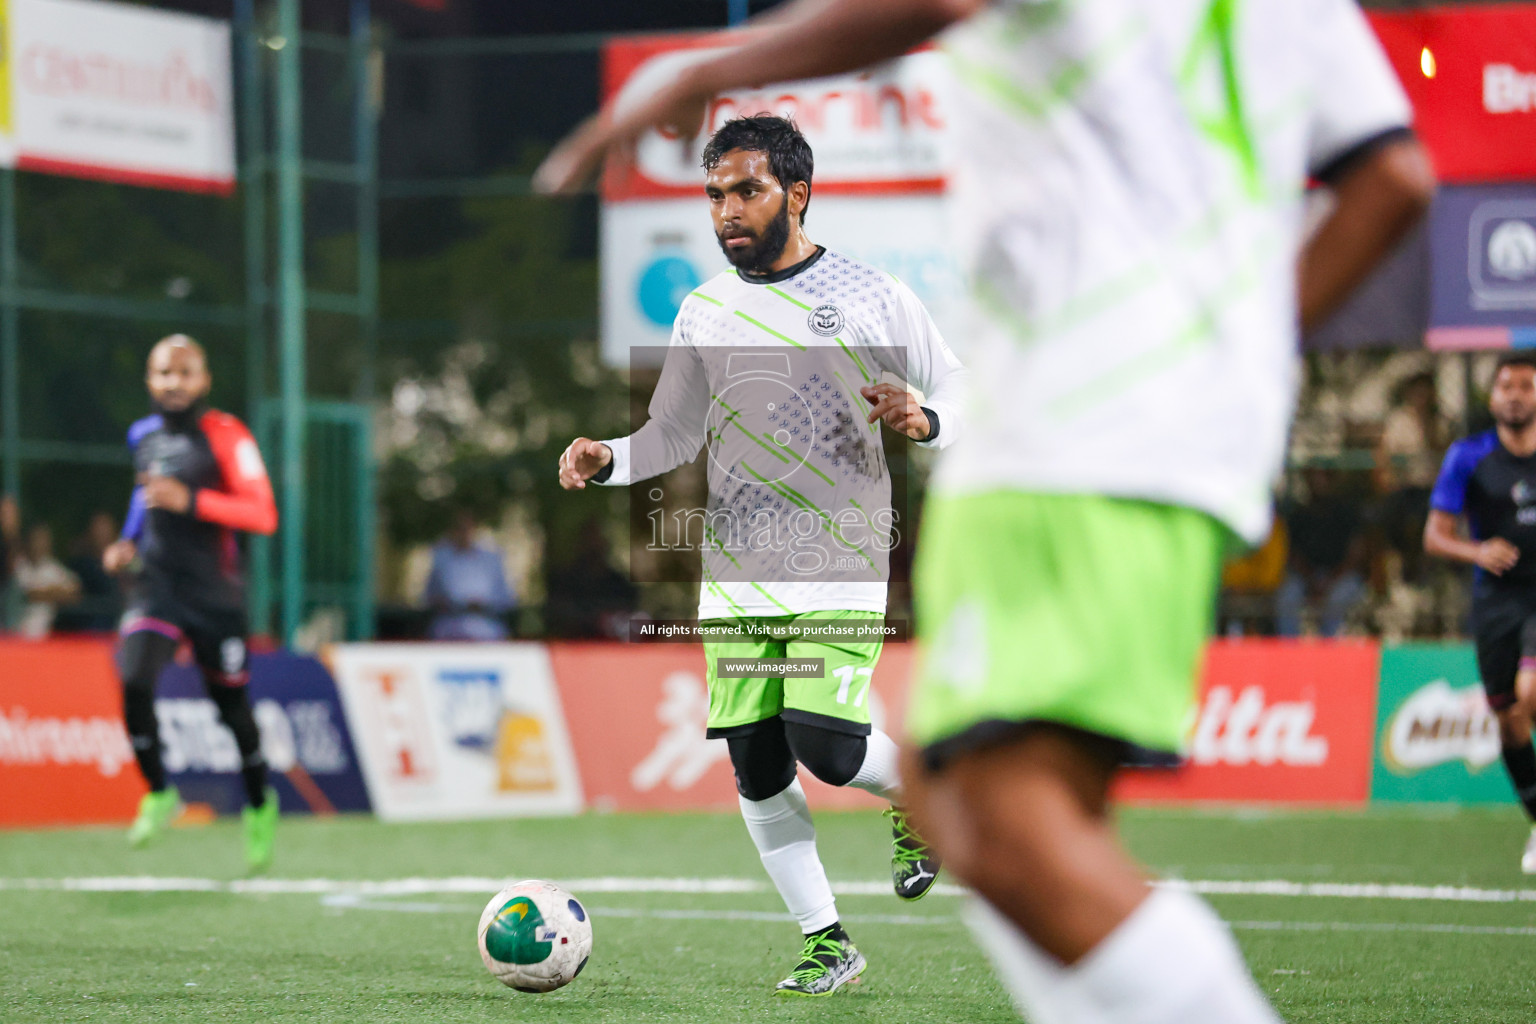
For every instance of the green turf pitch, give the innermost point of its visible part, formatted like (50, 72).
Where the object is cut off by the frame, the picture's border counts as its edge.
(346, 954)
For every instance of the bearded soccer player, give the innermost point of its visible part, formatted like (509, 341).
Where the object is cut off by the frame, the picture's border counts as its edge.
(1489, 480)
(200, 480)
(1128, 189)
(775, 367)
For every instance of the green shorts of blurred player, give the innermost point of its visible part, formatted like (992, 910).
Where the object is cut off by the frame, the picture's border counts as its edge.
(772, 723)
(1058, 632)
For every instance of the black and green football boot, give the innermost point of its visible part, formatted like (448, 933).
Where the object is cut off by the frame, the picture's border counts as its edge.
(828, 961)
(914, 867)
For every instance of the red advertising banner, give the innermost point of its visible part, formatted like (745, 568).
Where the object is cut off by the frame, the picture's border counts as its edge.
(1471, 74)
(876, 132)
(636, 714)
(64, 756)
(1279, 721)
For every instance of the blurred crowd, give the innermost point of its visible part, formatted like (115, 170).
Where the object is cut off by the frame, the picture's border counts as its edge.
(43, 593)
(1346, 556)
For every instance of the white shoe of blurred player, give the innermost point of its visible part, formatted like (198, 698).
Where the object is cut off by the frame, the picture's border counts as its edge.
(1528, 859)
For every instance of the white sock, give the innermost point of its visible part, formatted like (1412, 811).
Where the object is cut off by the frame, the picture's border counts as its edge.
(781, 829)
(878, 774)
(1171, 962)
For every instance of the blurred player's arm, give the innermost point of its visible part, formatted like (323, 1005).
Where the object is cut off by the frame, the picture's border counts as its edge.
(1376, 202)
(931, 367)
(1442, 537)
(673, 434)
(246, 502)
(121, 552)
(1447, 505)
(806, 39)
(1360, 146)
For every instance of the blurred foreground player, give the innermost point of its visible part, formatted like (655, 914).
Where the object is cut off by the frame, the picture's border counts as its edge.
(820, 328)
(200, 479)
(1489, 479)
(1128, 207)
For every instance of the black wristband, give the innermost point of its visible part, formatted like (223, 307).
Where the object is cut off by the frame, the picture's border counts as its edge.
(933, 423)
(602, 475)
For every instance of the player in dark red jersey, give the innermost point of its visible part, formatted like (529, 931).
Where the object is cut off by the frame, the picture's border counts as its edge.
(1489, 479)
(200, 479)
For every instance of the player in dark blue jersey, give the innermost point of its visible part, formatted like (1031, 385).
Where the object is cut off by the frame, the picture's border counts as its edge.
(200, 479)
(1489, 479)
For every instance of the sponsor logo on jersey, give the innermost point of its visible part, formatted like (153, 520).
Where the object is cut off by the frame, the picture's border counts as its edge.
(1439, 724)
(1248, 729)
(826, 320)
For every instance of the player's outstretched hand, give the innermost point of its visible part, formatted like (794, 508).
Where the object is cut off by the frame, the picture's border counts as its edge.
(581, 461)
(119, 555)
(1497, 555)
(677, 107)
(898, 408)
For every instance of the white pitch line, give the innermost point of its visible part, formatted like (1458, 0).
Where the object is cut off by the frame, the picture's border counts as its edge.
(1378, 926)
(717, 886)
(1354, 891)
(352, 901)
(425, 886)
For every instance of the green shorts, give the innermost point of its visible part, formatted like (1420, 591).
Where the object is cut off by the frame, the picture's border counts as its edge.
(838, 699)
(1080, 610)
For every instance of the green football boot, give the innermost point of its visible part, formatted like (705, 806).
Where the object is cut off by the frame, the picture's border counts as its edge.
(914, 867)
(828, 961)
(156, 811)
(260, 832)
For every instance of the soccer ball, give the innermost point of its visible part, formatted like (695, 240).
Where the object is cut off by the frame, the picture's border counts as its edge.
(535, 936)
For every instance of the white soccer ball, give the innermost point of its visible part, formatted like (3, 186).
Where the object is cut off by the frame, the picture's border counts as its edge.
(535, 936)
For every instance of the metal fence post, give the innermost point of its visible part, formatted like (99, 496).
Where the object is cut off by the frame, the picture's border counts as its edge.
(291, 308)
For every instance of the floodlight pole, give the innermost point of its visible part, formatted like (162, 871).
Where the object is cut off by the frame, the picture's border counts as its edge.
(290, 312)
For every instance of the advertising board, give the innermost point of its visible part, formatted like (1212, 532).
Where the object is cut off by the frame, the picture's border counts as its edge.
(1436, 739)
(451, 731)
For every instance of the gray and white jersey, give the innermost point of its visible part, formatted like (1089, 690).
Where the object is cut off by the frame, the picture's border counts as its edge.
(766, 377)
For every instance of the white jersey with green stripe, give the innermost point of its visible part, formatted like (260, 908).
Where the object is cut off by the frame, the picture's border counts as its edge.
(764, 374)
(1128, 209)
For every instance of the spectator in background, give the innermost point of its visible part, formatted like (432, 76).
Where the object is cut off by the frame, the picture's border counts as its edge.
(467, 587)
(1249, 585)
(1328, 555)
(587, 597)
(101, 600)
(1413, 439)
(44, 582)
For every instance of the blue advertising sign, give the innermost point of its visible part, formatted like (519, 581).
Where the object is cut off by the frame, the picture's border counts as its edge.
(304, 736)
(1484, 266)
